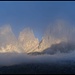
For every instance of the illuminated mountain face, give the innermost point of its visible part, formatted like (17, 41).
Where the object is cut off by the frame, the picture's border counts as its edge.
(8, 41)
(28, 43)
(59, 32)
(25, 43)
(6, 35)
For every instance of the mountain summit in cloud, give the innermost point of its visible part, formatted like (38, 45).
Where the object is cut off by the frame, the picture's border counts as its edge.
(27, 42)
(8, 41)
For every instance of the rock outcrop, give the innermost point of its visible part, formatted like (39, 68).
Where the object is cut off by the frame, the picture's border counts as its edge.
(28, 41)
(8, 41)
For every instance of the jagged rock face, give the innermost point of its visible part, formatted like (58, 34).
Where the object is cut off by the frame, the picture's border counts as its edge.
(47, 42)
(5, 34)
(54, 35)
(28, 41)
(8, 41)
(61, 47)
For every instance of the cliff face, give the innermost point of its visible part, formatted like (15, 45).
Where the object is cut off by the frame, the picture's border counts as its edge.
(54, 35)
(28, 41)
(25, 43)
(8, 41)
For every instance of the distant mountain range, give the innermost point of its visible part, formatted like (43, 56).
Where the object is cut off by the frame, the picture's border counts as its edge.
(50, 43)
(61, 47)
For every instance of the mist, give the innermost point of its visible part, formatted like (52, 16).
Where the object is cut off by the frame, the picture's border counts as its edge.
(7, 59)
(62, 30)
(58, 30)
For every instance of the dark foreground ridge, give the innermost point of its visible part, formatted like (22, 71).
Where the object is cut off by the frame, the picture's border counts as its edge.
(67, 67)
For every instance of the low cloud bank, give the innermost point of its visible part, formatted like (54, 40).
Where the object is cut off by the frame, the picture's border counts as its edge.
(15, 58)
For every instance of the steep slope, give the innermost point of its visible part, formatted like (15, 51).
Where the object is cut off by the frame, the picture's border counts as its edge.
(28, 41)
(55, 36)
(8, 41)
(61, 47)
(56, 33)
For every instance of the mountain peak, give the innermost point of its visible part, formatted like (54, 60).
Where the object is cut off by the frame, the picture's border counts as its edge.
(5, 29)
(28, 40)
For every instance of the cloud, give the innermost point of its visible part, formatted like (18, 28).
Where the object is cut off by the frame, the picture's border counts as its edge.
(18, 58)
(60, 30)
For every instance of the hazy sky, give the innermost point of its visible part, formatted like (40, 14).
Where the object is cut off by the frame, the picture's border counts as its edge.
(36, 15)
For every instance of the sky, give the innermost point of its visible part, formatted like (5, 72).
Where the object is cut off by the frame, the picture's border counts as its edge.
(35, 14)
